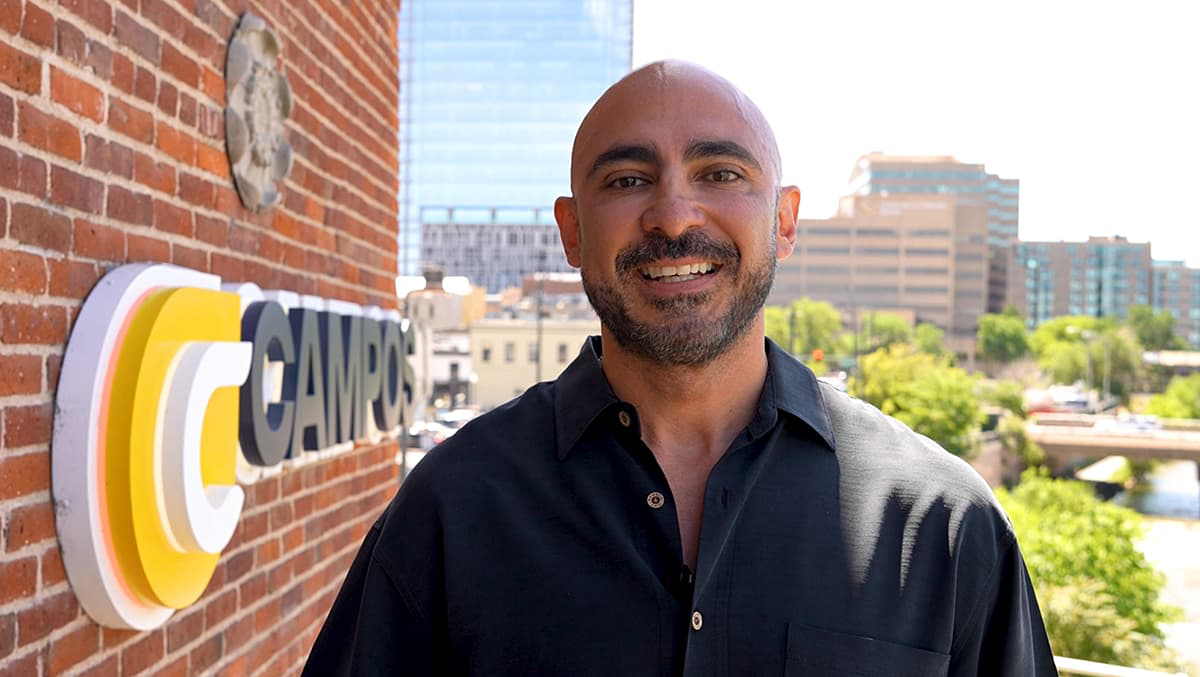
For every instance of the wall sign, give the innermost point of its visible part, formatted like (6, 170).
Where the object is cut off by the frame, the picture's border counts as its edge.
(167, 398)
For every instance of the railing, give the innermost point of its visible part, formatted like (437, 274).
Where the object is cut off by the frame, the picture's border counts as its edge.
(1075, 666)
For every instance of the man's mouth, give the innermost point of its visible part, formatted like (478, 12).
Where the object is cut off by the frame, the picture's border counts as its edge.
(678, 273)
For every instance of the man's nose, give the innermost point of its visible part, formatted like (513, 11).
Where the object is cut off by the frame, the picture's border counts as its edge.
(675, 209)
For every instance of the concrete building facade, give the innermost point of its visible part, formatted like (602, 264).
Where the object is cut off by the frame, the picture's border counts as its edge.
(493, 248)
(505, 356)
(1177, 289)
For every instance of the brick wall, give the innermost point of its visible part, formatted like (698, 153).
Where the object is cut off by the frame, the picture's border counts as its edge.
(112, 151)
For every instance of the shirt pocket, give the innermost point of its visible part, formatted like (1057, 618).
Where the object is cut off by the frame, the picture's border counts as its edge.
(813, 652)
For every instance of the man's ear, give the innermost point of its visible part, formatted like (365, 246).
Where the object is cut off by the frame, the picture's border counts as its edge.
(786, 210)
(568, 228)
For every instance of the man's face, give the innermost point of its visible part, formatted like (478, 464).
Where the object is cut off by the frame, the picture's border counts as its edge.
(677, 217)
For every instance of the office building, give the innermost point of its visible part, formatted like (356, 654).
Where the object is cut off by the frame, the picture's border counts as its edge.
(493, 92)
(884, 175)
(1102, 277)
(493, 248)
(923, 254)
(1176, 288)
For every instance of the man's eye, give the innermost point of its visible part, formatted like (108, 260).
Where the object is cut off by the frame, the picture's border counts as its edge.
(724, 176)
(628, 182)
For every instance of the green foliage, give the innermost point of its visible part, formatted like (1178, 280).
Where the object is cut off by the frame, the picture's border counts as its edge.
(933, 398)
(930, 339)
(1016, 441)
(882, 330)
(1008, 395)
(1070, 539)
(804, 326)
(1088, 349)
(1002, 338)
(1181, 399)
(1155, 331)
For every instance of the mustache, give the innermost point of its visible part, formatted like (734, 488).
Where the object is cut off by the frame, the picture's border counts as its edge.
(657, 246)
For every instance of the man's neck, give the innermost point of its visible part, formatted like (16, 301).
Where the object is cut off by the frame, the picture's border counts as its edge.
(691, 414)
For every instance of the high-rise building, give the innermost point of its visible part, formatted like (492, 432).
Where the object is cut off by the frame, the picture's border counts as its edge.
(1102, 277)
(918, 254)
(882, 174)
(1177, 289)
(493, 92)
(493, 248)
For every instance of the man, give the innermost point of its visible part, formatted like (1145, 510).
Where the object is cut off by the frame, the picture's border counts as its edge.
(686, 499)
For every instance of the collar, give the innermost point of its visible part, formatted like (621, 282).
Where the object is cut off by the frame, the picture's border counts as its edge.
(582, 394)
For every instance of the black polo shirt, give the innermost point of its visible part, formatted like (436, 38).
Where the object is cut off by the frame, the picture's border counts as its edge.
(542, 539)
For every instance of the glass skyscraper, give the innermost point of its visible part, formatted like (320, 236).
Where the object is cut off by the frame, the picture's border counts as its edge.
(491, 94)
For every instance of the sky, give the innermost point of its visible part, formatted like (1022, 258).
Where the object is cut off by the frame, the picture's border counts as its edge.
(1094, 106)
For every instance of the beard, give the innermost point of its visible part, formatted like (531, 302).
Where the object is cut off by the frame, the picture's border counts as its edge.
(681, 335)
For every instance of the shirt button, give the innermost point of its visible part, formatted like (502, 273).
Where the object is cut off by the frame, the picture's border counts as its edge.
(697, 620)
(623, 417)
(655, 500)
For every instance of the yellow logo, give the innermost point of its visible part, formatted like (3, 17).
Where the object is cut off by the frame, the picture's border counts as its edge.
(163, 375)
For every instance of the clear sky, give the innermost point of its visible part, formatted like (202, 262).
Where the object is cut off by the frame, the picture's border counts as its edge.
(1094, 106)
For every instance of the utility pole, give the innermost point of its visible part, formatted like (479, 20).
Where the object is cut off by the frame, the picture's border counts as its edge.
(541, 278)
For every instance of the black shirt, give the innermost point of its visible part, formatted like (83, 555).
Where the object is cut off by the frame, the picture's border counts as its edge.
(542, 539)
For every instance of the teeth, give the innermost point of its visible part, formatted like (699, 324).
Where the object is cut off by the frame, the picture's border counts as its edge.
(686, 271)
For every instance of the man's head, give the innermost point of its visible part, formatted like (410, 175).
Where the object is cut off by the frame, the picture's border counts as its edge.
(676, 217)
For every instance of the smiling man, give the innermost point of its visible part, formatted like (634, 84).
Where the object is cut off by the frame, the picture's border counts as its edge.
(686, 499)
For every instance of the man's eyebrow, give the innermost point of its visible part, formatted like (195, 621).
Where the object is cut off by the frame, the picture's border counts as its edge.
(621, 153)
(720, 148)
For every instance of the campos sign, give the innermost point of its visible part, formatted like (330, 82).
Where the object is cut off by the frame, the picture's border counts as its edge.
(174, 389)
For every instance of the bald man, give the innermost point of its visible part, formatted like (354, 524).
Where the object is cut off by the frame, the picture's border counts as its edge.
(685, 499)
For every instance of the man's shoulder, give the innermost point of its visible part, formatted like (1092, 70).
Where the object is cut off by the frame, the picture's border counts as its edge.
(878, 452)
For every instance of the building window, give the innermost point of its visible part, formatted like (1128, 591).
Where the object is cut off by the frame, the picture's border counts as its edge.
(485, 355)
(510, 352)
(533, 352)
(562, 353)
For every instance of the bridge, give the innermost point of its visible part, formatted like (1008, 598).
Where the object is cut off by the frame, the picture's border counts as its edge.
(1070, 440)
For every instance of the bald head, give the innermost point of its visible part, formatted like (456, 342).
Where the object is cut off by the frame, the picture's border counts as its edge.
(684, 97)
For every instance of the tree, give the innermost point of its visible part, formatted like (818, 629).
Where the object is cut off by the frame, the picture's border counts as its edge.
(1181, 399)
(804, 326)
(1002, 338)
(1155, 331)
(930, 339)
(881, 330)
(1099, 594)
(1095, 351)
(933, 398)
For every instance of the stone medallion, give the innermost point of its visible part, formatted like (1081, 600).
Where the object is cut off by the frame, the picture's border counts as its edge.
(258, 100)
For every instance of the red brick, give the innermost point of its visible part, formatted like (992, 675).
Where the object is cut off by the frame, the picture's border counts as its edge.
(41, 227)
(168, 98)
(72, 648)
(108, 156)
(141, 248)
(195, 190)
(184, 628)
(123, 72)
(8, 635)
(202, 44)
(213, 84)
(154, 174)
(212, 231)
(71, 43)
(98, 14)
(175, 143)
(77, 95)
(22, 272)
(130, 207)
(178, 668)
(183, 68)
(72, 279)
(27, 425)
(143, 654)
(207, 654)
(145, 85)
(187, 109)
(7, 115)
(53, 572)
(133, 122)
(189, 257)
(100, 60)
(111, 638)
(47, 616)
(253, 590)
(19, 71)
(97, 241)
(31, 177)
(171, 219)
(10, 15)
(19, 476)
(20, 375)
(220, 609)
(19, 576)
(29, 524)
(137, 37)
(21, 667)
(38, 26)
(212, 160)
(49, 133)
(76, 190)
